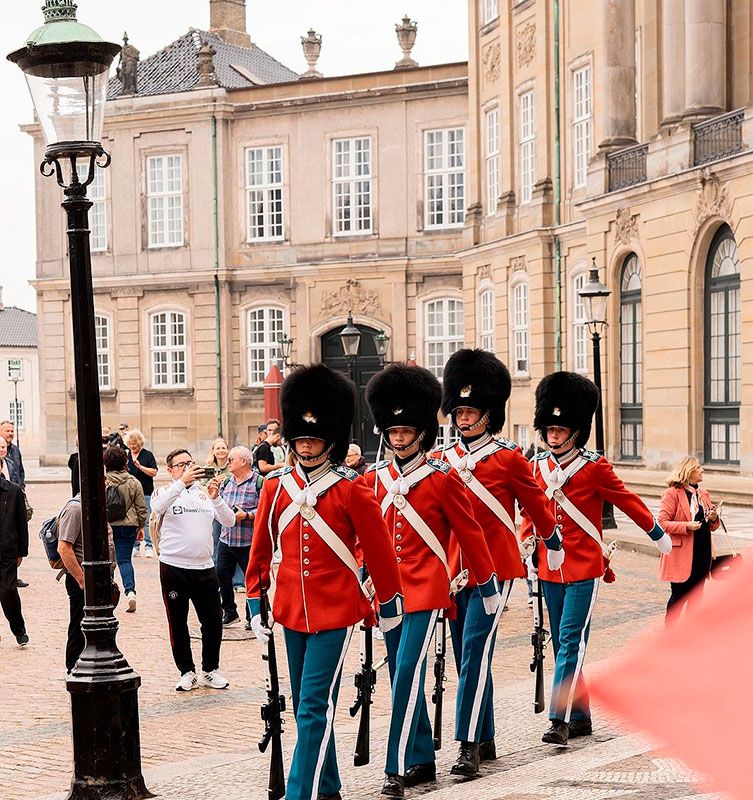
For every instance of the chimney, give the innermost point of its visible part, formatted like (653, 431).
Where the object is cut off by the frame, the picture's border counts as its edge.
(227, 19)
(2, 307)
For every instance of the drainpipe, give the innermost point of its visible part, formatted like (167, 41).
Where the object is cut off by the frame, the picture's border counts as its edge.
(217, 339)
(557, 191)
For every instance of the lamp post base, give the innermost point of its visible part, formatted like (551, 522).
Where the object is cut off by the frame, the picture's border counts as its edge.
(608, 522)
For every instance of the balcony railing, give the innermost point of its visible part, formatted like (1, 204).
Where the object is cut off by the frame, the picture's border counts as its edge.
(718, 137)
(627, 167)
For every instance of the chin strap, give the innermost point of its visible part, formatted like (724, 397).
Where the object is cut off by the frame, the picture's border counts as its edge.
(313, 461)
(563, 448)
(401, 448)
(484, 420)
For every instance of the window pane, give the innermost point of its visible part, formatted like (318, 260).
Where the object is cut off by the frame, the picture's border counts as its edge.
(165, 200)
(443, 320)
(444, 185)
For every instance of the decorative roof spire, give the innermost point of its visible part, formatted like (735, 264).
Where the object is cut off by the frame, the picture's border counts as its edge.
(59, 10)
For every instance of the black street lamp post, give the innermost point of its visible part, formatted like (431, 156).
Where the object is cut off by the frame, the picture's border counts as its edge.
(15, 376)
(595, 295)
(67, 65)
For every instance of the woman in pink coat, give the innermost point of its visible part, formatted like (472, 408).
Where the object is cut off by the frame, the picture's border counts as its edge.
(688, 516)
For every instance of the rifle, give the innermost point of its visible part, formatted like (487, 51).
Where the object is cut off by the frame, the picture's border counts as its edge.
(440, 651)
(271, 711)
(365, 683)
(539, 639)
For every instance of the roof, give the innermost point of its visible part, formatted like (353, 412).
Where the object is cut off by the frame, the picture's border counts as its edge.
(18, 328)
(173, 69)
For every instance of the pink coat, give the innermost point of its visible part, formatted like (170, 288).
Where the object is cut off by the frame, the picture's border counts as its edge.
(674, 513)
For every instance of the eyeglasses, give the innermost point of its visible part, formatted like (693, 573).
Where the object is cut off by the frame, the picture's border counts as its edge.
(183, 464)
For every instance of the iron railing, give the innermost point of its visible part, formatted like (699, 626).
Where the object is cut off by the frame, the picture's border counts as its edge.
(719, 137)
(627, 167)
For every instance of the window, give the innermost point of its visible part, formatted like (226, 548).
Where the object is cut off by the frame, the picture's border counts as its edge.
(351, 184)
(486, 320)
(631, 360)
(444, 436)
(265, 329)
(15, 369)
(95, 191)
(169, 349)
(444, 332)
(16, 413)
(444, 178)
(102, 337)
(264, 193)
(639, 84)
(164, 189)
(520, 332)
(722, 351)
(491, 10)
(581, 124)
(522, 436)
(580, 331)
(492, 160)
(527, 147)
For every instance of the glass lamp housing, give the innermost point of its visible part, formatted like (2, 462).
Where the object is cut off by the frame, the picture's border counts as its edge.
(350, 337)
(381, 342)
(595, 297)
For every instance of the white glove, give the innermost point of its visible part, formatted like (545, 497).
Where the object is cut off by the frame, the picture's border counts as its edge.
(555, 558)
(388, 623)
(533, 573)
(492, 603)
(664, 545)
(527, 547)
(261, 633)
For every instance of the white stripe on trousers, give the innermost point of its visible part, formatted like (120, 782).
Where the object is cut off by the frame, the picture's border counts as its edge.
(410, 710)
(330, 716)
(581, 653)
(484, 666)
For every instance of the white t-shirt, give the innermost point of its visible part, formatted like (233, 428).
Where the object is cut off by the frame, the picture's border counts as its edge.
(186, 533)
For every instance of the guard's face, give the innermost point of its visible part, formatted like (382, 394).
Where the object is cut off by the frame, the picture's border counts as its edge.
(309, 448)
(556, 436)
(466, 417)
(402, 436)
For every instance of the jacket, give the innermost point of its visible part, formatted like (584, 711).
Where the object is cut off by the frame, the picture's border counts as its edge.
(133, 495)
(674, 514)
(315, 590)
(14, 529)
(16, 465)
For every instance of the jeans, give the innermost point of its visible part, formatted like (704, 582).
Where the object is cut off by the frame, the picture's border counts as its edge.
(76, 642)
(239, 576)
(124, 537)
(9, 597)
(229, 560)
(147, 537)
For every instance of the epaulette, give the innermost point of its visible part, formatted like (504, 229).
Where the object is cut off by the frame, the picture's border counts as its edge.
(278, 473)
(505, 444)
(346, 472)
(590, 455)
(542, 454)
(378, 465)
(439, 466)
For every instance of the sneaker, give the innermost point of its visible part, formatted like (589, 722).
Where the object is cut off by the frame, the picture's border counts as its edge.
(248, 626)
(23, 639)
(131, 597)
(149, 553)
(230, 619)
(240, 588)
(21, 583)
(136, 552)
(213, 679)
(187, 682)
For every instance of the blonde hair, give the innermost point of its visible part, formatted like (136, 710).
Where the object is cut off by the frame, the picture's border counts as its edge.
(212, 458)
(134, 435)
(683, 469)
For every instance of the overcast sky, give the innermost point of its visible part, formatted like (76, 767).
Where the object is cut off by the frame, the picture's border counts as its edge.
(359, 36)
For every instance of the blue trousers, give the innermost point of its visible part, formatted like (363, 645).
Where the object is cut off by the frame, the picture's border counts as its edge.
(473, 635)
(124, 537)
(147, 537)
(239, 577)
(410, 739)
(570, 606)
(315, 661)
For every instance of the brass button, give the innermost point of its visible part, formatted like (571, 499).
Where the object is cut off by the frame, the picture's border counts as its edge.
(399, 525)
(305, 573)
(305, 536)
(399, 536)
(305, 561)
(305, 524)
(398, 548)
(399, 560)
(305, 548)
(400, 513)
(559, 516)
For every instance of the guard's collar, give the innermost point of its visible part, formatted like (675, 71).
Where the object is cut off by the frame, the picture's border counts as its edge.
(566, 458)
(476, 442)
(412, 464)
(312, 475)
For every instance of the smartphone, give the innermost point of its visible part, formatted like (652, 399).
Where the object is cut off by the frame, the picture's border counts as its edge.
(209, 473)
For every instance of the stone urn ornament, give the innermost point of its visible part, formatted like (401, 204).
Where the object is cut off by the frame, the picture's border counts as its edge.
(406, 38)
(312, 47)
(205, 65)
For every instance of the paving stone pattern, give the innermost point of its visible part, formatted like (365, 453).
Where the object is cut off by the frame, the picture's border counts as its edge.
(203, 744)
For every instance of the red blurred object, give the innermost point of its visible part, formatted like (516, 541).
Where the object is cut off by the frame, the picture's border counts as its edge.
(272, 384)
(689, 685)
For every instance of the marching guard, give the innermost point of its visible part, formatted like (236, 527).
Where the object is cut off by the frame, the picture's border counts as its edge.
(423, 500)
(495, 474)
(577, 481)
(316, 513)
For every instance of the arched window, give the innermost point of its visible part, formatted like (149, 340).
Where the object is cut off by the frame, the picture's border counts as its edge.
(443, 332)
(521, 348)
(103, 338)
(169, 349)
(579, 331)
(486, 320)
(266, 326)
(631, 360)
(722, 351)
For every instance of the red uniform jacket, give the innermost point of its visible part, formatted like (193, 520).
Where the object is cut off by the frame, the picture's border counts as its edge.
(506, 474)
(315, 590)
(441, 501)
(587, 490)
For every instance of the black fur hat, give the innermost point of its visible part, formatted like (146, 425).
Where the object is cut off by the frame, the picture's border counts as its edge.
(318, 402)
(476, 378)
(400, 395)
(568, 400)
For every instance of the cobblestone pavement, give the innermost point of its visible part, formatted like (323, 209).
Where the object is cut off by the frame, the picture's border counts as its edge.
(203, 745)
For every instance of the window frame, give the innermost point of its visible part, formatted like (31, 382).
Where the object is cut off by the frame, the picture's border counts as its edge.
(96, 193)
(13, 364)
(269, 348)
(582, 123)
(446, 207)
(527, 143)
(272, 192)
(106, 352)
(486, 337)
(448, 341)
(351, 181)
(490, 11)
(16, 414)
(580, 362)
(171, 349)
(631, 409)
(520, 334)
(162, 198)
(492, 159)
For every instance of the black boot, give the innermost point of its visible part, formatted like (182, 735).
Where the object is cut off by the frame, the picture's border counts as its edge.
(580, 727)
(487, 751)
(468, 760)
(557, 733)
(335, 796)
(394, 786)
(420, 773)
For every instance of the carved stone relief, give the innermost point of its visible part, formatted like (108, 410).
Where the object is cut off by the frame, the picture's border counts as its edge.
(484, 273)
(525, 44)
(712, 201)
(491, 60)
(625, 226)
(352, 297)
(518, 263)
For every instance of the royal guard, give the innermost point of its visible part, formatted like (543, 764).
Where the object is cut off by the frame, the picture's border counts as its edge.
(315, 513)
(422, 500)
(476, 387)
(577, 482)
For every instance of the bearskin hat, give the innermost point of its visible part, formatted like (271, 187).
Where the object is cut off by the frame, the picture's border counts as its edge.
(478, 379)
(568, 400)
(406, 396)
(318, 402)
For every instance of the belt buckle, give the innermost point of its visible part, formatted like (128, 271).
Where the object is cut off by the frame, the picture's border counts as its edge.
(466, 475)
(307, 512)
(559, 495)
(399, 501)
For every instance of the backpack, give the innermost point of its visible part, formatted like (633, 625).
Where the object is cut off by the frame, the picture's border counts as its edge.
(115, 504)
(48, 533)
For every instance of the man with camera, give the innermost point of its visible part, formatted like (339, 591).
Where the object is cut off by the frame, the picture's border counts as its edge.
(241, 494)
(187, 570)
